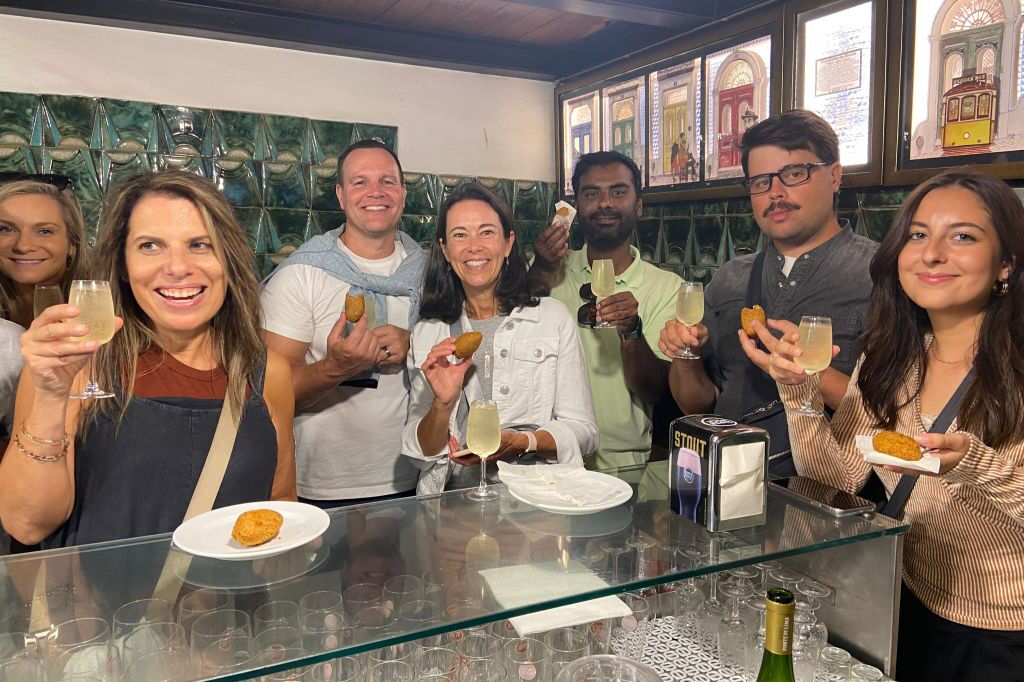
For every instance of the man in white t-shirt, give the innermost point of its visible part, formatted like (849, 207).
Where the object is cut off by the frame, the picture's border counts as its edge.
(351, 388)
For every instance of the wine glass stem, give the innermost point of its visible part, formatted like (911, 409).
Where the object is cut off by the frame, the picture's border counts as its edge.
(482, 488)
(91, 386)
(809, 398)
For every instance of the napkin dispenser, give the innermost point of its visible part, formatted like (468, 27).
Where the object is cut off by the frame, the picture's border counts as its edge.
(718, 472)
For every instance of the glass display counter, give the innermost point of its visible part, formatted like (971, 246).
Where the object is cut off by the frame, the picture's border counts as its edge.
(389, 579)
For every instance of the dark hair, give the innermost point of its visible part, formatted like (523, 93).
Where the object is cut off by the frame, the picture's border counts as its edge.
(593, 159)
(443, 295)
(793, 130)
(372, 143)
(894, 342)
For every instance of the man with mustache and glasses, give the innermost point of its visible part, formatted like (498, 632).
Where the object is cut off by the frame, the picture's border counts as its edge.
(812, 264)
(627, 372)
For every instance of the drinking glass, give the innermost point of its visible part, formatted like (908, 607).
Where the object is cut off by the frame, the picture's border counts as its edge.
(631, 629)
(754, 650)
(391, 671)
(22, 669)
(139, 612)
(400, 589)
(786, 578)
(274, 639)
(159, 666)
(151, 638)
(816, 344)
(209, 628)
(200, 602)
(482, 670)
(862, 672)
(565, 646)
(436, 661)
(321, 602)
(275, 614)
(527, 658)
(96, 661)
(361, 596)
(732, 631)
(833, 665)
(710, 616)
(272, 656)
(344, 669)
(690, 311)
(225, 655)
(478, 644)
(602, 283)
(483, 437)
(45, 296)
(417, 616)
(96, 309)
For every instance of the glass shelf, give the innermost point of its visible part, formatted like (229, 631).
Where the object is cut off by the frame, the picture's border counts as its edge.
(465, 552)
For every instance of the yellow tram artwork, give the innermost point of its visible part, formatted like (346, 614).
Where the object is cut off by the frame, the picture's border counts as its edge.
(969, 115)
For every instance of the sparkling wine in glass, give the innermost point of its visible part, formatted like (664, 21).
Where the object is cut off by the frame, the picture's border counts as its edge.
(96, 309)
(816, 344)
(46, 295)
(602, 283)
(690, 311)
(483, 435)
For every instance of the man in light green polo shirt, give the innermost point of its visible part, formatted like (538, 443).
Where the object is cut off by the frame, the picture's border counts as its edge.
(627, 371)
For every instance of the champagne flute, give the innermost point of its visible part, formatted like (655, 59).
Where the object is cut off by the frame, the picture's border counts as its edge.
(96, 309)
(602, 283)
(816, 344)
(483, 435)
(46, 295)
(690, 311)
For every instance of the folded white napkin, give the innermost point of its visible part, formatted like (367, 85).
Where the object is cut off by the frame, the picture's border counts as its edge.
(929, 463)
(514, 586)
(557, 484)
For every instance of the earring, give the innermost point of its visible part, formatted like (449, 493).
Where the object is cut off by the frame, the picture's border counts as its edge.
(506, 260)
(1000, 288)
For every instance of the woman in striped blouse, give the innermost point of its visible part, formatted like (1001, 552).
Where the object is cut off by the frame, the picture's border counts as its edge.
(948, 296)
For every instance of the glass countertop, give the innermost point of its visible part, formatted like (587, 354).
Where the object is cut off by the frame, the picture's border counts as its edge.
(476, 562)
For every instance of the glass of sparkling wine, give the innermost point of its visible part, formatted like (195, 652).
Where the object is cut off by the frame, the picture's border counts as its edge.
(602, 283)
(46, 295)
(690, 311)
(816, 344)
(483, 436)
(96, 309)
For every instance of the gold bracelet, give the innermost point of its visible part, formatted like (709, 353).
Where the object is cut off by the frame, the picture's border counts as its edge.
(41, 458)
(63, 442)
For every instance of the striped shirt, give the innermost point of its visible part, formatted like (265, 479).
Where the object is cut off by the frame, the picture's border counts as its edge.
(964, 554)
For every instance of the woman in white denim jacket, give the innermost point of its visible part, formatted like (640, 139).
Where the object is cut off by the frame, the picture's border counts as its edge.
(476, 279)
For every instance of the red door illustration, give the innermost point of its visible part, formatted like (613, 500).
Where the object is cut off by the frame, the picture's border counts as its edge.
(730, 106)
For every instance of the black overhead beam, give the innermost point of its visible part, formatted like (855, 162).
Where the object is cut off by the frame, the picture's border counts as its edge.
(271, 26)
(662, 13)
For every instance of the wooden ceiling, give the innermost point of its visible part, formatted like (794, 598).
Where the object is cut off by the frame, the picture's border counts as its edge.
(545, 39)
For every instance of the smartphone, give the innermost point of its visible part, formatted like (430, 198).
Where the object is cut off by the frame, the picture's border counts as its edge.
(822, 496)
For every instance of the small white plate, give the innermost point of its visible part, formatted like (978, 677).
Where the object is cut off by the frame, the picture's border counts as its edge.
(209, 534)
(623, 491)
(928, 463)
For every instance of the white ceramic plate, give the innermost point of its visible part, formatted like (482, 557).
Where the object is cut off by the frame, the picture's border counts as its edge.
(623, 491)
(209, 534)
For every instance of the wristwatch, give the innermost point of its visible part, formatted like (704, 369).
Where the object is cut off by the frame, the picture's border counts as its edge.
(636, 333)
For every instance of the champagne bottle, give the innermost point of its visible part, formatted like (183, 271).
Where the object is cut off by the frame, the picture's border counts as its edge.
(777, 661)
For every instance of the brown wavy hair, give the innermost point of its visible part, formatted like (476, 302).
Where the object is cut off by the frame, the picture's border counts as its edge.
(74, 223)
(237, 343)
(895, 342)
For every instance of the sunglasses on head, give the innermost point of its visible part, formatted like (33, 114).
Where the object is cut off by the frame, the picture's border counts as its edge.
(61, 182)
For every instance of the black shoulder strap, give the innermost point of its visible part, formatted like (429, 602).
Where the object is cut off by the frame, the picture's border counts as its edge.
(754, 283)
(901, 493)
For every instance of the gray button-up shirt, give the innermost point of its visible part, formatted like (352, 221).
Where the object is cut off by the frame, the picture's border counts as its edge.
(832, 280)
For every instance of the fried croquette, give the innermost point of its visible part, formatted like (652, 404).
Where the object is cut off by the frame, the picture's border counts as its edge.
(562, 212)
(747, 317)
(355, 306)
(467, 344)
(896, 445)
(256, 526)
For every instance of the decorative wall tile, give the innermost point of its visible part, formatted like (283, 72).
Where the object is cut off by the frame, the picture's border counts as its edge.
(532, 200)
(238, 180)
(503, 188)
(290, 227)
(326, 140)
(421, 193)
(677, 241)
(709, 240)
(323, 180)
(329, 220)
(284, 185)
(527, 232)
(17, 159)
(447, 184)
(16, 114)
(877, 222)
(744, 236)
(367, 131)
(648, 239)
(421, 228)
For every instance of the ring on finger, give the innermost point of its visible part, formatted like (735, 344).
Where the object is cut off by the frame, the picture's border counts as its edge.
(387, 352)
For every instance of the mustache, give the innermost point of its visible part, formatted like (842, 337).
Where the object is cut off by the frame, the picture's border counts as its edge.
(596, 215)
(780, 205)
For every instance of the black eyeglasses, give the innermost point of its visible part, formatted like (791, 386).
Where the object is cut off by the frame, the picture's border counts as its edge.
(61, 182)
(792, 175)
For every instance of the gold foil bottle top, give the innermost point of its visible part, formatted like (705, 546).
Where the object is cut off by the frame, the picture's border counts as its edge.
(778, 625)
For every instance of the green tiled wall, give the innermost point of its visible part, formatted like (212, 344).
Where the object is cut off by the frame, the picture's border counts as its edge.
(694, 238)
(278, 171)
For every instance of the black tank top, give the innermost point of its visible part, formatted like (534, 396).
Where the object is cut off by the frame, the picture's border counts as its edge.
(138, 479)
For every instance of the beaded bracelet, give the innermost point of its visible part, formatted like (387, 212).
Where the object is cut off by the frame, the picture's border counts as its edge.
(41, 458)
(63, 442)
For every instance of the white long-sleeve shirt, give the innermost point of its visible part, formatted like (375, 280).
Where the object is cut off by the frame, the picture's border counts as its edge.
(540, 381)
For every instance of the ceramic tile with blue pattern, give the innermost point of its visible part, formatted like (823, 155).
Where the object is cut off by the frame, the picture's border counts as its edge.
(328, 220)
(677, 209)
(326, 140)
(447, 184)
(289, 225)
(251, 221)
(368, 131)
(187, 126)
(285, 184)
(500, 186)
(133, 122)
(73, 119)
(238, 179)
(744, 235)
(678, 238)
(17, 112)
(532, 201)
(190, 163)
(323, 182)
(421, 193)
(877, 222)
(289, 134)
(527, 232)
(649, 239)
(232, 130)
(17, 160)
(421, 228)
(853, 217)
(708, 240)
(693, 273)
(738, 206)
(80, 166)
(113, 167)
